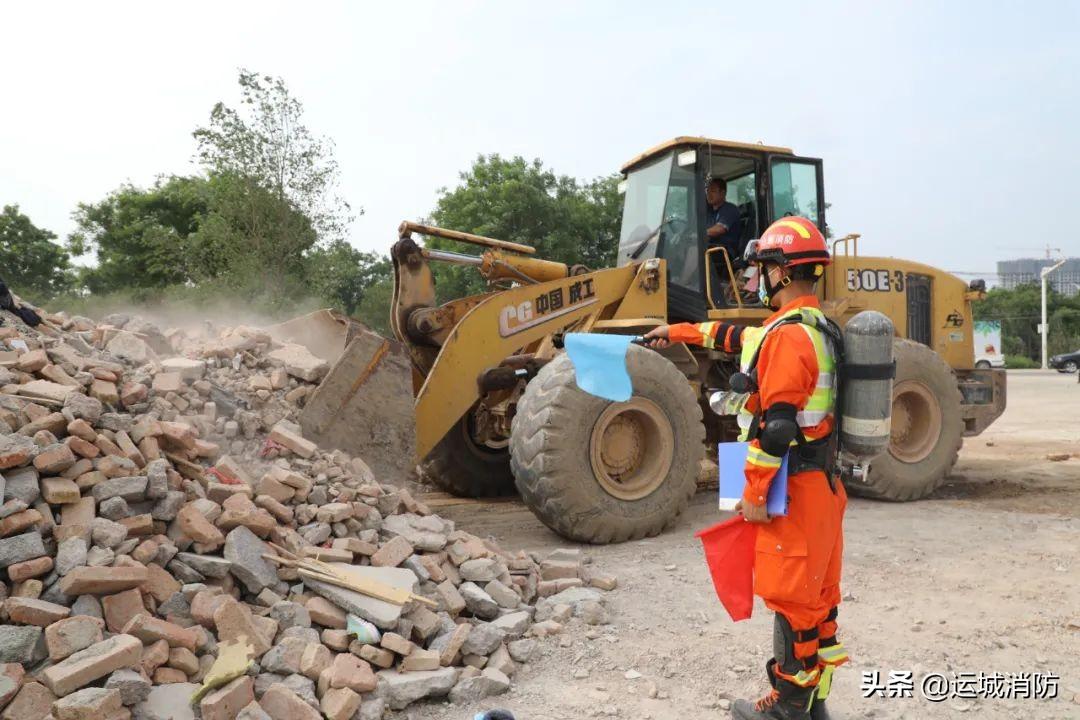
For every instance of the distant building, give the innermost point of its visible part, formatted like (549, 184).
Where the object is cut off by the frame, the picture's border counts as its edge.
(1065, 280)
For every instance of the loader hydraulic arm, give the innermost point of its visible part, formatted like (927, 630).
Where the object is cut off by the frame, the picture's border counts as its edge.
(415, 318)
(502, 261)
(455, 346)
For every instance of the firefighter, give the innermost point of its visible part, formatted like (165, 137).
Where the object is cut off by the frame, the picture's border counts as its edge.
(797, 557)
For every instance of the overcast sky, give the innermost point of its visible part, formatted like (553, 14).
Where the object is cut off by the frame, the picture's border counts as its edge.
(950, 130)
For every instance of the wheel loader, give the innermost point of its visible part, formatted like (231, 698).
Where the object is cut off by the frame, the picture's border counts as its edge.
(496, 403)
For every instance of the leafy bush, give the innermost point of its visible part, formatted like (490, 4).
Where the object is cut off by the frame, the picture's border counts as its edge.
(1020, 362)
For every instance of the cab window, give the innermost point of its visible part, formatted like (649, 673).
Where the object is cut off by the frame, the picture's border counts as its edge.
(679, 240)
(795, 190)
(646, 191)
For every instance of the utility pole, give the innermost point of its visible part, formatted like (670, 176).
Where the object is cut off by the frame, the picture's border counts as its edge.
(1044, 327)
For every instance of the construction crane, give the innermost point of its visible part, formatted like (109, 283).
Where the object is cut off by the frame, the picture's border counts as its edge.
(1047, 249)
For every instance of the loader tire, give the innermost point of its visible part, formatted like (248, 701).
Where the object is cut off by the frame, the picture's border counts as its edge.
(927, 428)
(464, 468)
(603, 472)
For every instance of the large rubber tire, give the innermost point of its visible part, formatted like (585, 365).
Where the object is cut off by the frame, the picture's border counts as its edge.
(552, 436)
(461, 467)
(922, 376)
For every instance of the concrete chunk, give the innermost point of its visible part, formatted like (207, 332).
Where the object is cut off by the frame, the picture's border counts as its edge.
(20, 548)
(244, 550)
(45, 390)
(383, 614)
(300, 363)
(88, 704)
(399, 690)
(478, 602)
(187, 368)
(131, 489)
(133, 686)
(21, 644)
(167, 702)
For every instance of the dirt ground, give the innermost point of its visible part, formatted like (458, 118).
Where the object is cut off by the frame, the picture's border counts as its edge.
(982, 577)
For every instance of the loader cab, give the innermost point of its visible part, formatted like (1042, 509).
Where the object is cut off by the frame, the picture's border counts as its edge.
(664, 212)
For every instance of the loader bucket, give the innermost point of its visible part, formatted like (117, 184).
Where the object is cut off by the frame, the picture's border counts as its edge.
(364, 405)
(323, 332)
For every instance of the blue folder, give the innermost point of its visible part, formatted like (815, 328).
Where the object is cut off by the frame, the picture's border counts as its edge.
(732, 462)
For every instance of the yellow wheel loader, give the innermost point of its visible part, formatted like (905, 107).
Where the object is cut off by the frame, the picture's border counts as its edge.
(496, 403)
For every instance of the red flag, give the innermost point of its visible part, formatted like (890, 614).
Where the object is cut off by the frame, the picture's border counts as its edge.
(729, 551)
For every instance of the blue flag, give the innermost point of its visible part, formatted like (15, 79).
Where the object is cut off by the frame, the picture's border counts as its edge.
(600, 364)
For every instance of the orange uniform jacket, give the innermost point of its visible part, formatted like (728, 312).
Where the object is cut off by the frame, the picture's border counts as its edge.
(797, 565)
(787, 373)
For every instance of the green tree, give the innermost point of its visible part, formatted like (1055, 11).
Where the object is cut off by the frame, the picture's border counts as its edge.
(374, 310)
(141, 237)
(1019, 310)
(595, 215)
(524, 202)
(278, 180)
(263, 222)
(342, 274)
(252, 241)
(30, 262)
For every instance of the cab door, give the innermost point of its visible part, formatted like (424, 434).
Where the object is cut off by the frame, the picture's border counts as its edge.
(795, 186)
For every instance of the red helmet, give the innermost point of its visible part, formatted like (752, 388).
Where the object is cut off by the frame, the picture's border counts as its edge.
(788, 242)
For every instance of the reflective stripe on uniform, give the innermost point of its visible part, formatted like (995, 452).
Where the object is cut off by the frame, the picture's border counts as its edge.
(820, 404)
(757, 456)
(821, 401)
(803, 678)
(825, 683)
(810, 418)
(833, 654)
(706, 330)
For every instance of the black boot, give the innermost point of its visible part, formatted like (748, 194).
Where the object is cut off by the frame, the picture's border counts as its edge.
(787, 702)
(818, 711)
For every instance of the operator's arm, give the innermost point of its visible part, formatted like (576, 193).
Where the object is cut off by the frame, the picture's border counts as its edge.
(729, 215)
(714, 334)
(787, 374)
(717, 230)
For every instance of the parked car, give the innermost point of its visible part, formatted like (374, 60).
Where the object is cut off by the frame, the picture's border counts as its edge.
(1067, 363)
(985, 362)
(987, 343)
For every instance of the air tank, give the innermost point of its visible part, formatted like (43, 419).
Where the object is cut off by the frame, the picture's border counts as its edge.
(867, 380)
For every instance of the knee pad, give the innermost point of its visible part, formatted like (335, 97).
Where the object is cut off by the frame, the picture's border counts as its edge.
(796, 652)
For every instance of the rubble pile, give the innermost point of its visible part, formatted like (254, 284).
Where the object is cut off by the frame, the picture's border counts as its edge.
(148, 498)
(253, 381)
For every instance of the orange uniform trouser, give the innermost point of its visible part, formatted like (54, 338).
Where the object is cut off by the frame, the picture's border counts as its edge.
(797, 568)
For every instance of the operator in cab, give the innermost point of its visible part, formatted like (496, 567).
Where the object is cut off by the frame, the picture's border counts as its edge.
(798, 556)
(723, 227)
